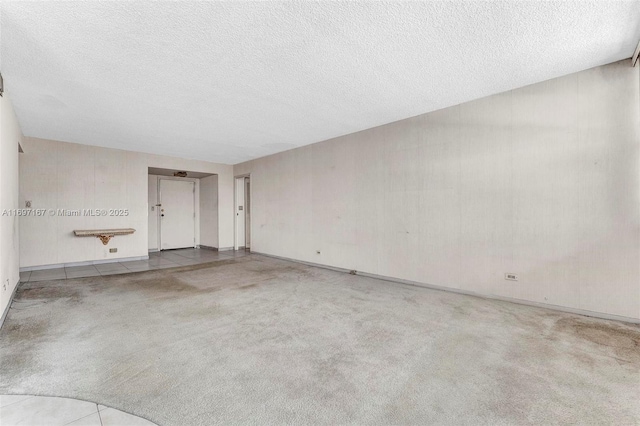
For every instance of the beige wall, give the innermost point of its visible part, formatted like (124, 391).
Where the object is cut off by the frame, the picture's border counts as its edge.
(10, 137)
(542, 181)
(209, 211)
(59, 175)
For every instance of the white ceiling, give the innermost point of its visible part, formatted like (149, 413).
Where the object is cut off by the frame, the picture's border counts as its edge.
(231, 81)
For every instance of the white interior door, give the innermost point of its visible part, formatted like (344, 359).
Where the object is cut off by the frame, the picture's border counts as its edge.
(240, 223)
(247, 213)
(177, 214)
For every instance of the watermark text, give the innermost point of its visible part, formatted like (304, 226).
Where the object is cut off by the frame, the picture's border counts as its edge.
(65, 212)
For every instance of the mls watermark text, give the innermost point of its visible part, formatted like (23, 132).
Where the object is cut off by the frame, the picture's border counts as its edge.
(65, 212)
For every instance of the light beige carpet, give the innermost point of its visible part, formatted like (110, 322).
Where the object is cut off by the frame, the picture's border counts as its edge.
(264, 341)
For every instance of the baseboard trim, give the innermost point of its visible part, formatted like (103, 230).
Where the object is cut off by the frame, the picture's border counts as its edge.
(203, 247)
(6, 309)
(86, 263)
(225, 249)
(583, 312)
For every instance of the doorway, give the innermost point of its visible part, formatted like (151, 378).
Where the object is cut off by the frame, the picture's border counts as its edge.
(177, 214)
(247, 213)
(243, 213)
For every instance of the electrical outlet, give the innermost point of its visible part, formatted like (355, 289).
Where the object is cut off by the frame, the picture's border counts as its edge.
(113, 250)
(511, 277)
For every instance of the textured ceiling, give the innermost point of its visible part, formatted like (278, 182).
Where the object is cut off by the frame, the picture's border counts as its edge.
(231, 81)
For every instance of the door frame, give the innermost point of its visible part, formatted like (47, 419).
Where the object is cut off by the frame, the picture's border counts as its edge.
(159, 211)
(235, 208)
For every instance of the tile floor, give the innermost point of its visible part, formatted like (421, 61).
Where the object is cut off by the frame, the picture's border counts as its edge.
(157, 260)
(50, 411)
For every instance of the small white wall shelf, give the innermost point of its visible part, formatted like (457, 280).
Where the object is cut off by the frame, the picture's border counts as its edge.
(103, 234)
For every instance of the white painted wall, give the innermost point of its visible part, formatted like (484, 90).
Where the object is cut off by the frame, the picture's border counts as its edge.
(59, 175)
(10, 137)
(209, 211)
(543, 181)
